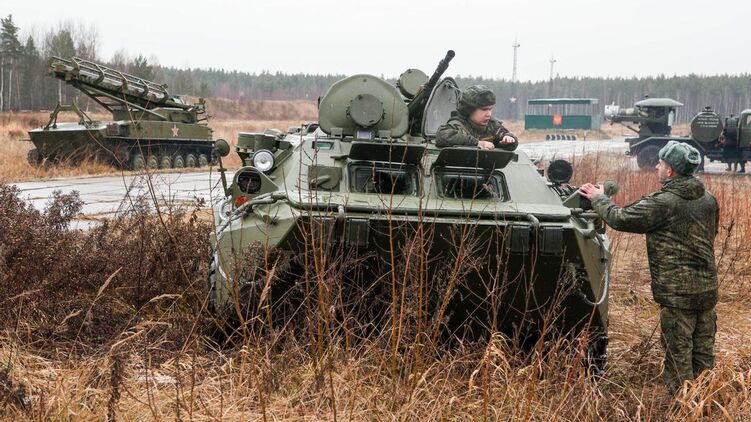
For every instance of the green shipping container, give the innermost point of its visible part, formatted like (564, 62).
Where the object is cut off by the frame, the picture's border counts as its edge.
(563, 113)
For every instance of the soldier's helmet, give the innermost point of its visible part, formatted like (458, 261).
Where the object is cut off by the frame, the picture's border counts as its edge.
(474, 97)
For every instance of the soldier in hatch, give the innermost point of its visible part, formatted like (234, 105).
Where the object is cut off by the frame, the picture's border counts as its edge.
(681, 222)
(473, 125)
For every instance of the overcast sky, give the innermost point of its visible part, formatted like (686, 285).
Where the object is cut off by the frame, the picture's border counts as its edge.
(586, 37)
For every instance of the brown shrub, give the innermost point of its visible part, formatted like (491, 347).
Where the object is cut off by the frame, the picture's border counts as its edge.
(92, 286)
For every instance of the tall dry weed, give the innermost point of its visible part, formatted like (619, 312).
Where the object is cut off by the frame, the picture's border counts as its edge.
(112, 323)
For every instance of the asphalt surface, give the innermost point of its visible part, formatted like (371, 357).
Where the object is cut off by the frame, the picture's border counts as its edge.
(109, 196)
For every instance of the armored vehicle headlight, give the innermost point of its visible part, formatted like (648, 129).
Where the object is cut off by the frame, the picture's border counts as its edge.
(560, 171)
(263, 160)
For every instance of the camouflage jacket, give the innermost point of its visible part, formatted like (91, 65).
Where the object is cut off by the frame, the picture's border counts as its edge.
(460, 131)
(680, 222)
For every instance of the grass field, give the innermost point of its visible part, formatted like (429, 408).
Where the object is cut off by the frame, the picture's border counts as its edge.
(112, 324)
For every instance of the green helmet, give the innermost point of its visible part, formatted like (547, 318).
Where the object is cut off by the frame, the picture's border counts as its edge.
(474, 97)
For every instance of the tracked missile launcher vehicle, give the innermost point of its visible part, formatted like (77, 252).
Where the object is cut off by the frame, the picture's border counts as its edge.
(149, 127)
(360, 217)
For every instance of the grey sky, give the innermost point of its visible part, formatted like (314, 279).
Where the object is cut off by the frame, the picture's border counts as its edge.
(587, 37)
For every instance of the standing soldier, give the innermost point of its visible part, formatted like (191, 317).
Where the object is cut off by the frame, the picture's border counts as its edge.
(681, 222)
(472, 123)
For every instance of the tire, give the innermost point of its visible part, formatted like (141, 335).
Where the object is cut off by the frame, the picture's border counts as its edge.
(203, 160)
(51, 161)
(137, 163)
(597, 355)
(647, 158)
(34, 158)
(165, 162)
(178, 162)
(152, 162)
(191, 161)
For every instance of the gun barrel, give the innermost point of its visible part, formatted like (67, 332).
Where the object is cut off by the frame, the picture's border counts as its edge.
(416, 107)
(442, 66)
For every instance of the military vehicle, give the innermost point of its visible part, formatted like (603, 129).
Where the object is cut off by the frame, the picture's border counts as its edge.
(150, 127)
(482, 238)
(726, 140)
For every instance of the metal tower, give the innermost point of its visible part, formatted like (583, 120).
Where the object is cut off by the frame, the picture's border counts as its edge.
(516, 46)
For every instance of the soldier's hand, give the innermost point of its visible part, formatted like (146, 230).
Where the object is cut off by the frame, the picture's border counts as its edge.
(507, 140)
(589, 191)
(485, 145)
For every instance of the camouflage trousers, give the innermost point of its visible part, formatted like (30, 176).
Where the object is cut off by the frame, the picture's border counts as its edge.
(688, 337)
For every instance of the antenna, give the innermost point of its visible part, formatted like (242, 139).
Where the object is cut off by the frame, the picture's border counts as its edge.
(516, 46)
(552, 62)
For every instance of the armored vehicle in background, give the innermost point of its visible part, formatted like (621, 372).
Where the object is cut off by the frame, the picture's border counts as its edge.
(725, 140)
(150, 127)
(361, 218)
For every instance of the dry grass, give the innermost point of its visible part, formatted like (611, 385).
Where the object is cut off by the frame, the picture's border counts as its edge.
(110, 324)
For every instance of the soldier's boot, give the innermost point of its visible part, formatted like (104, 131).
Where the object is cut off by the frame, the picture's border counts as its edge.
(743, 167)
(703, 338)
(677, 330)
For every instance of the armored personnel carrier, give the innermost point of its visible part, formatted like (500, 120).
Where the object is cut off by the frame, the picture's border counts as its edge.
(360, 217)
(150, 127)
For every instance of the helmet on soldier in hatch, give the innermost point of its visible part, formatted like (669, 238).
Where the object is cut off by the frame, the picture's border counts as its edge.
(474, 97)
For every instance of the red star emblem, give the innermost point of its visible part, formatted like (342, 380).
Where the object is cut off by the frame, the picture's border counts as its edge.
(175, 130)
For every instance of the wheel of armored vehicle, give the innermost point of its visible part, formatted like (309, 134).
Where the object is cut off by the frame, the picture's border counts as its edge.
(178, 162)
(203, 160)
(647, 158)
(34, 157)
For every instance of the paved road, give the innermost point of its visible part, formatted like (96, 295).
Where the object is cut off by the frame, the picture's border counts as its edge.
(104, 197)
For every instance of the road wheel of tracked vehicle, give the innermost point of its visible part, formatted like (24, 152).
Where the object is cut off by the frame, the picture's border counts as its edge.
(34, 157)
(203, 160)
(190, 160)
(647, 158)
(165, 162)
(178, 162)
(152, 162)
(137, 162)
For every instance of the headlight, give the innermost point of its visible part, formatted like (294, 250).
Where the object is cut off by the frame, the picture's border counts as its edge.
(263, 160)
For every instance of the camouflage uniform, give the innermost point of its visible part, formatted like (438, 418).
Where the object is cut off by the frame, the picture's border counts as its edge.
(460, 131)
(680, 222)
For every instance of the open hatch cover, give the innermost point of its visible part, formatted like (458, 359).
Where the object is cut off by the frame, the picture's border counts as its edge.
(442, 102)
(474, 158)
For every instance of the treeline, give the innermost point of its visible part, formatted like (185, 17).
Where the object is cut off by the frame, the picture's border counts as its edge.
(24, 86)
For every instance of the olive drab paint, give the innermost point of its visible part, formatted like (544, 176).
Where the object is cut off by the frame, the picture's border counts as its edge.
(150, 126)
(364, 181)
